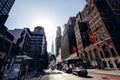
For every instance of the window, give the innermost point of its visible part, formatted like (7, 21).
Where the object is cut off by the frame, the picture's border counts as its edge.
(96, 53)
(86, 55)
(113, 52)
(104, 63)
(102, 29)
(94, 33)
(98, 31)
(101, 38)
(101, 54)
(91, 55)
(99, 23)
(110, 63)
(104, 34)
(96, 39)
(15, 71)
(107, 54)
(117, 62)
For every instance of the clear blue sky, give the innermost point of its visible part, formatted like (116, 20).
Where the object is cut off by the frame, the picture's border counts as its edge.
(46, 13)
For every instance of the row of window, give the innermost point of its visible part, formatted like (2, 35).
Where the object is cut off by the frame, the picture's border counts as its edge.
(95, 54)
(5, 9)
(35, 37)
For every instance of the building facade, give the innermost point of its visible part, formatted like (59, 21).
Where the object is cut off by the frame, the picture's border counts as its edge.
(103, 21)
(22, 38)
(6, 41)
(57, 41)
(38, 48)
(21, 49)
(5, 6)
(68, 40)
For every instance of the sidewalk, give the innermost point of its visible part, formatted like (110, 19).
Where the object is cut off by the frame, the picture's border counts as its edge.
(109, 72)
(34, 75)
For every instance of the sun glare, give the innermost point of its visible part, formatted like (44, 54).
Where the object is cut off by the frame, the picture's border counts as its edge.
(47, 24)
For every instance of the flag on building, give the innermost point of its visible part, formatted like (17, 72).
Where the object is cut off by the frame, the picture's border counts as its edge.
(74, 49)
(92, 38)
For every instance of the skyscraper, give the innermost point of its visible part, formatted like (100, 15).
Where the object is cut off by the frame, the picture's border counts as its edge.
(52, 48)
(5, 6)
(68, 40)
(57, 41)
(5, 37)
(38, 48)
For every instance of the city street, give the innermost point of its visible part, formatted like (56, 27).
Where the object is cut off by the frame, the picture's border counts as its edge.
(59, 75)
(71, 37)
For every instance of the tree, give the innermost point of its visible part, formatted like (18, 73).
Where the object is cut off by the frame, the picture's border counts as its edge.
(52, 59)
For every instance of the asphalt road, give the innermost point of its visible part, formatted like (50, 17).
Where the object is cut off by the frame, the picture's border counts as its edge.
(60, 75)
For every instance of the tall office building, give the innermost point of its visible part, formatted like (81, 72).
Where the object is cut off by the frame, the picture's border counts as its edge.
(37, 40)
(5, 37)
(52, 48)
(38, 48)
(57, 41)
(5, 6)
(68, 40)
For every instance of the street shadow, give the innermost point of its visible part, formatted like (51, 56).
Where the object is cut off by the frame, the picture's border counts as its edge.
(86, 76)
(44, 77)
(38, 74)
(52, 73)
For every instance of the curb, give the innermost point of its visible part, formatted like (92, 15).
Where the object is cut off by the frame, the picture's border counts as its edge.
(40, 77)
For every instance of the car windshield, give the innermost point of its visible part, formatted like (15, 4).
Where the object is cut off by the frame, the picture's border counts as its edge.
(76, 68)
(81, 67)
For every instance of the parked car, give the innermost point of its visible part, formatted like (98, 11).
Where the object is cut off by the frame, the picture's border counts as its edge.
(80, 71)
(67, 69)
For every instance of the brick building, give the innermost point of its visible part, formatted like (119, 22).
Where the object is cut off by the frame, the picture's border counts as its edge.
(102, 47)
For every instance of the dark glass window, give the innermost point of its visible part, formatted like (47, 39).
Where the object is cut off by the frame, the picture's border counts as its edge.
(91, 55)
(101, 54)
(96, 52)
(15, 71)
(113, 52)
(107, 54)
(110, 63)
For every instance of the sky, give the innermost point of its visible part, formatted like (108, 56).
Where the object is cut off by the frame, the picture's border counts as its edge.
(46, 13)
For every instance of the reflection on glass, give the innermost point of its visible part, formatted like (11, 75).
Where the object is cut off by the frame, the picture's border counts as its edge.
(15, 71)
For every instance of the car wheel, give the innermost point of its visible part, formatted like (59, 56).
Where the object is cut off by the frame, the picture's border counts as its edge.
(77, 74)
(85, 75)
